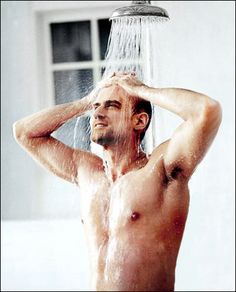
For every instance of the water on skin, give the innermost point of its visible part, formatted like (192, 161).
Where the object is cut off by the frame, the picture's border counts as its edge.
(121, 246)
(104, 209)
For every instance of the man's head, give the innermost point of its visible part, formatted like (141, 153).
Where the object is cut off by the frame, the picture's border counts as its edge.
(117, 116)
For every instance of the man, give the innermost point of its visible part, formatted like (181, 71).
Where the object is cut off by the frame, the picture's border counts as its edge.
(134, 207)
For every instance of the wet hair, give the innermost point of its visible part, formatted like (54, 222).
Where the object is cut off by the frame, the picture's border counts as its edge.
(140, 105)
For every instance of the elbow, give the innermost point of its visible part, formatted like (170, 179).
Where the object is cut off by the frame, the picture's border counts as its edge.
(212, 111)
(18, 132)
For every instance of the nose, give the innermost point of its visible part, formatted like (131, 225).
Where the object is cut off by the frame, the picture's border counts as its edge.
(99, 113)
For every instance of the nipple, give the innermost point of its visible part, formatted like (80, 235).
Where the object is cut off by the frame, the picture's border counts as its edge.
(135, 216)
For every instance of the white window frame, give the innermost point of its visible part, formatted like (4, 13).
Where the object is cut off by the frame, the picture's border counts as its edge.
(93, 11)
(46, 65)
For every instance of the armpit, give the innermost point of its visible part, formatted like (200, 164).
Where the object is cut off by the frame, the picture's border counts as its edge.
(175, 173)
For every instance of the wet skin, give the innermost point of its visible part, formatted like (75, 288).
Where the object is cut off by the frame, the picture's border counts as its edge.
(134, 207)
(134, 222)
(134, 227)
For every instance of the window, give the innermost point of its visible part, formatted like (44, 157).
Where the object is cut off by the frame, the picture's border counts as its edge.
(71, 41)
(78, 51)
(72, 45)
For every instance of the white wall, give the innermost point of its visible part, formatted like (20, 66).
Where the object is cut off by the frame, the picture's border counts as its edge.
(24, 88)
(19, 173)
(196, 51)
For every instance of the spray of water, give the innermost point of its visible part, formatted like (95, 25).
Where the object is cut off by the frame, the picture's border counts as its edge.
(130, 49)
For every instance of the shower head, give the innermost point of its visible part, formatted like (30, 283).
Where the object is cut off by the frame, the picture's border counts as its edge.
(140, 9)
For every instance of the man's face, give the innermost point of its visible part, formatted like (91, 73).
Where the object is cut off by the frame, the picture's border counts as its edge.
(111, 118)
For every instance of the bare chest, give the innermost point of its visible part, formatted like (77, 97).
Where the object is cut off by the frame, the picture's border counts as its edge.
(128, 226)
(109, 207)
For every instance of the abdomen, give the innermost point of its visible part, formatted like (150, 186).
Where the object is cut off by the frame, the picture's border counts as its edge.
(137, 265)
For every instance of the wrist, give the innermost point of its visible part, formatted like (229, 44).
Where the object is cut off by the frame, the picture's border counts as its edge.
(83, 104)
(142, 91)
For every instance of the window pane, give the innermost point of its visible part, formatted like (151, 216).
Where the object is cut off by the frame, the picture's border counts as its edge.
(104, 26)
(71, 41)
(72, 84)
(69, 86)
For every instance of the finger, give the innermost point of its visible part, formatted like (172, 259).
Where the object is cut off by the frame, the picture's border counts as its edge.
(106, 83)
(103, 83)
(119, 74)
(110, 75)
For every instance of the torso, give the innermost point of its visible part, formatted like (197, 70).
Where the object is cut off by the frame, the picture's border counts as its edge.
(134, 228)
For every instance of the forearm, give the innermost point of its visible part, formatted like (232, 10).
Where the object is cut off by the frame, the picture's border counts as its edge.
(45, 122)
(184, 103)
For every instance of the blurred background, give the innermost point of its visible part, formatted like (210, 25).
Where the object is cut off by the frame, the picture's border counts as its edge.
(53, 52)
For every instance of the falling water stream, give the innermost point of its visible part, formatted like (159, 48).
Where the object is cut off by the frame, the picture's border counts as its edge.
(131, 49)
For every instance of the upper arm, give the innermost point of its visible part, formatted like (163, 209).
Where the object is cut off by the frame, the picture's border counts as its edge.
(190, 142)
(57, 157)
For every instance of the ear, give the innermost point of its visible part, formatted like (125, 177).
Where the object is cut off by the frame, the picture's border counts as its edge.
(140, 121)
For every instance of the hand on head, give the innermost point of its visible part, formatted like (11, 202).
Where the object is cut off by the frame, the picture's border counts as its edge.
(100, 85)
(128, 81)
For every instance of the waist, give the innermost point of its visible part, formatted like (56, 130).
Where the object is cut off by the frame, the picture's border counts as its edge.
(134, 266)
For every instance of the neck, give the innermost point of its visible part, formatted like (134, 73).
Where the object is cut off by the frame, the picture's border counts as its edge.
(118, 160)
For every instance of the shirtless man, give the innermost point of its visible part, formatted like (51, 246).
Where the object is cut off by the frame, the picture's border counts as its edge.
(134, 207)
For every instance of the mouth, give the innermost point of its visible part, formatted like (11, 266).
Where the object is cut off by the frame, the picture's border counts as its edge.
(100, 125)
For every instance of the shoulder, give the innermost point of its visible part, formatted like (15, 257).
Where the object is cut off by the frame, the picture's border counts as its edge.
(159, 151)
(88, 165)
(155, 162)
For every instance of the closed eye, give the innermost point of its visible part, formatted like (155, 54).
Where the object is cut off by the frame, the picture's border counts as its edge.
(113, 103)
(108, 104)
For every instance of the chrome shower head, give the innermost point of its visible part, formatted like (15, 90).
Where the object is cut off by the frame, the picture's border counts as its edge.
(140, 9)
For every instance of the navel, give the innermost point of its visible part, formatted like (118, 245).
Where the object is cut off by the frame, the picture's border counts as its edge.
(135, 216)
